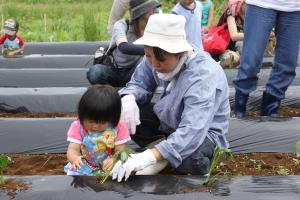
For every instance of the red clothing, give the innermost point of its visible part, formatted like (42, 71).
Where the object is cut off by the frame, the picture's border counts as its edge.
(13, 44)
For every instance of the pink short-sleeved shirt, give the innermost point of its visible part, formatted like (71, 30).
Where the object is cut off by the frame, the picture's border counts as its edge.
(75, 136)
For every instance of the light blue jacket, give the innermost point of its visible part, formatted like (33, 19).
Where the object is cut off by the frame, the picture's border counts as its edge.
(197, 106)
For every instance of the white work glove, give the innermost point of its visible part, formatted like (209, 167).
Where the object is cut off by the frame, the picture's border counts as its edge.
(130, 113)
(135, 162)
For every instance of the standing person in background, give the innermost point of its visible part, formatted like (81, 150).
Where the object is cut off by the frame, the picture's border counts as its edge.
(126, 55)
(192, 12)
(117, 12)
(207, 15)
(261, 17)
(13, 43)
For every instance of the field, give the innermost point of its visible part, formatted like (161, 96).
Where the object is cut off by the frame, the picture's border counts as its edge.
(67, 20)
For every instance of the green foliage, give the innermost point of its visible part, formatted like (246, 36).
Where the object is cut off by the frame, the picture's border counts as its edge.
(69, 20)
(298, 149)
(218, 154)
(4, 161)
(283, 171)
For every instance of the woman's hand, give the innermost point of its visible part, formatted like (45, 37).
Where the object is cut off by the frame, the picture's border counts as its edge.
(235, 6)
(108, 164)
(130, 113)
(135, 162)
(77, 163)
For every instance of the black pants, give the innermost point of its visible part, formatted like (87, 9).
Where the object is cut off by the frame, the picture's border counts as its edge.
(198, 163)
(104, 74)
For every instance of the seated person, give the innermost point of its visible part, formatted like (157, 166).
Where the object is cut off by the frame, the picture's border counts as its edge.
(231, 57)
(126, 55)
(13, 43)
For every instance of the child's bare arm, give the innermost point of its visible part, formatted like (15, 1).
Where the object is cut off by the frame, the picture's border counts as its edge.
(232, 28)
(17, 51)
(210, 16)
(74, 155)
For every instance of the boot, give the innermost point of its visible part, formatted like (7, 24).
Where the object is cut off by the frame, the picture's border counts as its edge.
(269, 105)
(240, 104)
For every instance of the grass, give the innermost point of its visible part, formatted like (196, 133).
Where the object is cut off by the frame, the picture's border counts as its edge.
(68, 20)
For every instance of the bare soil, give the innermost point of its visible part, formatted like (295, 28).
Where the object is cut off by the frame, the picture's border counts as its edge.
(249, 164)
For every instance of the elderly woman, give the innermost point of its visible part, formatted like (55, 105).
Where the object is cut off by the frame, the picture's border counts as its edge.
(191, 116)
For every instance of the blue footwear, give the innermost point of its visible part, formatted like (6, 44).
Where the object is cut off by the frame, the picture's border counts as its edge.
(240, 104)
(269, 105)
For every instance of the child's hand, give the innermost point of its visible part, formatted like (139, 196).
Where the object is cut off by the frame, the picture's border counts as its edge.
(108, 164)
(77, 163)
(10, 53)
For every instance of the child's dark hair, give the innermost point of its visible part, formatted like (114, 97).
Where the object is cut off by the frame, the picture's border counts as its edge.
(100, 103)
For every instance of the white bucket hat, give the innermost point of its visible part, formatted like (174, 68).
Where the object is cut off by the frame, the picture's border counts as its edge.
(167, 32)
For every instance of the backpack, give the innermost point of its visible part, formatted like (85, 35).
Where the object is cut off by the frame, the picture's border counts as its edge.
(104, 55)
(217, 40)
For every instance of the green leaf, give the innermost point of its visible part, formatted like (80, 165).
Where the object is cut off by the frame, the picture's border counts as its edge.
(298, 149)
(4, 161)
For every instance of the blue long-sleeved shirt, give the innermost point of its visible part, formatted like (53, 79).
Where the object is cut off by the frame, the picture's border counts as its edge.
(197, 106)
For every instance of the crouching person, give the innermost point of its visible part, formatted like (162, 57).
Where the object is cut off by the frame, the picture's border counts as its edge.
(190, 118)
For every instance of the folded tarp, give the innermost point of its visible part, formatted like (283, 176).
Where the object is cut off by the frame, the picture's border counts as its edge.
(169, 187)
(64, 99)
(263, 76)
(31, 78)
(47, 61)
(71, 48)
(48, 135)
(40, 100)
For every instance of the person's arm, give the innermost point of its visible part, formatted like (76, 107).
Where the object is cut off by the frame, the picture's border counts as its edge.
(131, 49)
(142, 83)
(198, 113)
(232, 28)
(117, 12)
(235, 6)
(74, 155)
(210, 16)
(2, 39)
(20, 50)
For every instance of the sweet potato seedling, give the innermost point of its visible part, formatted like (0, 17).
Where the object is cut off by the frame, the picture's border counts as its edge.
(4, 161)
(218, 154)
(123, 156)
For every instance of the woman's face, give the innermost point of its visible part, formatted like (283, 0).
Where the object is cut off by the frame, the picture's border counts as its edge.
(166, 66)
(92, 126)
(143, 20)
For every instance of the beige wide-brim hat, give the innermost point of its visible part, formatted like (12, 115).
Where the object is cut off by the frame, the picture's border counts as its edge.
(167, 32)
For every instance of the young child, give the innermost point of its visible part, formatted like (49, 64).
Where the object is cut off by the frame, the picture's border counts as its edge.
(13, 43)
(207, 15)
(192, 11)
(98, 133)
(231, 57)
